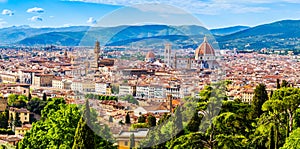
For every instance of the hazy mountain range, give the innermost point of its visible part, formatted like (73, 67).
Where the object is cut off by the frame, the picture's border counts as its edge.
(278, 35)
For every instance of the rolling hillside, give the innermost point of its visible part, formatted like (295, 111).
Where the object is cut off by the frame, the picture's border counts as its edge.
(278, 35)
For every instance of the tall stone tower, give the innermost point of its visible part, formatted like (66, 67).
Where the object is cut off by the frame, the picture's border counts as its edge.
(167, 56)
(97, 52)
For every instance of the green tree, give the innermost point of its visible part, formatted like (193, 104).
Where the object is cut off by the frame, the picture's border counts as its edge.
(278, 84)
(284, 83)
(271, 94)
(19, 103)
(293, 141)
(130, 99)
(192, 140)
(231, 141)
(52, 106)
(36, 105)
(142, 119)
(29, 96)
(17, 121)
(194, 123)
(4, 119)
(127, 118)
(290, 98)
(44, 97)
(22, 97)
(57, 130)
(178, 126)
(274, 116)
(164, 118)
(11, 99)
(132, 141)
(110, 119)
(151, 121)
(272, 138)
(84, 137)
(260, 96)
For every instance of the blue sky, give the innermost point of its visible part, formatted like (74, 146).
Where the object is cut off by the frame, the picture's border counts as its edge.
(212, 13)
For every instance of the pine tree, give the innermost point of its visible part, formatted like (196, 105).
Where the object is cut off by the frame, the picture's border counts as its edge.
(127, 118)
(84, 137)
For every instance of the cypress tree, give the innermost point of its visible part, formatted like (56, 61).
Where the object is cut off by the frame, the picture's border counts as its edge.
(132, 141)
(178, 127)
(278, 84)
(271, 94)
(110, 119)
(84, 137)
(194, 123)
(29, 97)
(259, 98)
(272, 138)
(44, 97)
(127, 118)
(276, 136)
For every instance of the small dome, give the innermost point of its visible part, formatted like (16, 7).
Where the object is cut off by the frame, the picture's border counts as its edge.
(204, 49)
(150, 55)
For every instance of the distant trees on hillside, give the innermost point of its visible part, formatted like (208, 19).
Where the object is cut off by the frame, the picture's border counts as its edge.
(101, 97)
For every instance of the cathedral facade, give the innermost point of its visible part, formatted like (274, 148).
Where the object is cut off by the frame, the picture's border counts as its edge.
(205, 58)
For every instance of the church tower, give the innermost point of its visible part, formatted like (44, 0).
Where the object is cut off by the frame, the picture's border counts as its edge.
(167, 55)
(97, 52)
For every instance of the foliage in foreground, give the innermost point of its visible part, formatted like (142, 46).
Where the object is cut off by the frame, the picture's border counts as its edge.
(57, 128)
(267, 123)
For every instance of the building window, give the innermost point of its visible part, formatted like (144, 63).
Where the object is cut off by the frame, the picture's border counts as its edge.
(126, 143)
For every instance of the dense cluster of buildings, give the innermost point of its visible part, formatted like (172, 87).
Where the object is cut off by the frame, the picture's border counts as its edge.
(158, 82)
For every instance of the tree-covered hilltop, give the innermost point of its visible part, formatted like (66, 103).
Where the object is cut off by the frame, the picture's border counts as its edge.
(60, 126)
(267, 123)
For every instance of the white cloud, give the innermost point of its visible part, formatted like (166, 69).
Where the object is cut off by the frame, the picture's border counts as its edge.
(91, 20)
(36, 19)
(35, 10)
(2, 1)
(7, 12)
(202, 6)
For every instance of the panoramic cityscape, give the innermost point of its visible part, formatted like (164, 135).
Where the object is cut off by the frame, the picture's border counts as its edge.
(149, 75)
